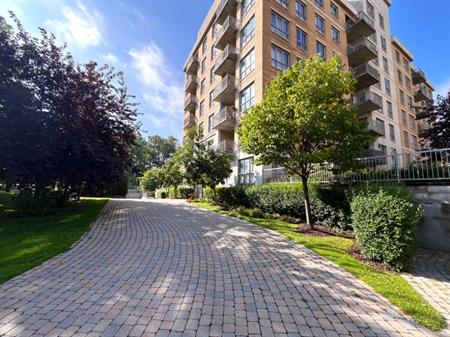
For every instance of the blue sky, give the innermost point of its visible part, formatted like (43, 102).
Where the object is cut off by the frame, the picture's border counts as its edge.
(151, 39)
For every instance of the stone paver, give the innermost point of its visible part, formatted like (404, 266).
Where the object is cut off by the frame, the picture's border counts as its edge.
(170, 269)
(430, 276)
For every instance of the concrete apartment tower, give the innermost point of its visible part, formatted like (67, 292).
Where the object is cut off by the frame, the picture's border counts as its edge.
(241, 45)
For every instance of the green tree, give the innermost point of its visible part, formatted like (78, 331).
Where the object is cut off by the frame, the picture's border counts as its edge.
(152, 179)
(306, 118)
(218, 169)
(439, 131)
(173, 173)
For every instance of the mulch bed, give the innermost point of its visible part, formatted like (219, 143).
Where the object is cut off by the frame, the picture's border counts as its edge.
(356, 252)
(320, 230)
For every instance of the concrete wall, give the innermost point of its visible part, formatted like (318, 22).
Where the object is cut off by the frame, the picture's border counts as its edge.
(434, 230)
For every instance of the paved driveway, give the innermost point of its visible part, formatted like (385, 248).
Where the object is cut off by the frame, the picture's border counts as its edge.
(170, 269)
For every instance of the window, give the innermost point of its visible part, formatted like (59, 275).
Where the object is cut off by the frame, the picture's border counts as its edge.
(408, 82)
(391, 133)
(245, 171)
(201, 126)
(389, 110)
(204, 46)
(397, 56)
(402, 97)
(320, 24)
(387, 86)
(247, 64)
(335, 35)
(405, 64)
(210, 118)
(373, 37)
(284, 3)
(248, 32)
(203, 67)
(380, 126)
(211, 98)
(246, 5)
(381, 21)
(334, 10)
(406, 138)
(319, 2)
(410, 101)
(247, 97)
(385, 65)
(300, 9)
(213, 52)
(280, 26)
(214, 30)
(399, 75)
(302, 39)
(212, 75)
(201, 109)
(414, 141)
(202, 87)
(382, 148)
(280, 58)
(321, 50)
(370, 10)
(404, 118)
(383, 43)
(412, 122)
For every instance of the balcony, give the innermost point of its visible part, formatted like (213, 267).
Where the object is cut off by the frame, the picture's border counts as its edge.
(225, 146)
(361, 27)
(226, 90)
(418, 76)
(361, 51)
(191, 84)
(422, 114)
(224, 120)
(226, 8)
(227, 34)
(226, 62)
(421, 93)
(192, 64)
(366, 75)
(375, 128)
(190, 103)
(189, 121)
(367, 101)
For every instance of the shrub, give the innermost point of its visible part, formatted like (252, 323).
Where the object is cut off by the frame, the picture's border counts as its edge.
(185, 192)
(161, 193)
(384, 219)
(27, 204)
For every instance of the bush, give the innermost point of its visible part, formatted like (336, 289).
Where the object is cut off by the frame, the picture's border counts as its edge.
(27, 204)
(384, 219)
(161, 193)
(185, 192)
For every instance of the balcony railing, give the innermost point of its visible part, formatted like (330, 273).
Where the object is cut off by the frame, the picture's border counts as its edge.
(422, 114)
(375, 127)
(361, 52)
(226, 146)
(418, 76)
(227, 34)
(226, 62)
(190, 103)
(226, 8)
(367, 101)
(362, 26)
(366, 76)
(189, 121)
(192, 65)
(225, 119)
(191, 84)
(225, 90)
(421, 93)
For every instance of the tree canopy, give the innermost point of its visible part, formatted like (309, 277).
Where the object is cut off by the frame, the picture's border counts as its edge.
(438, 131)
(306, 118)
(61, 124)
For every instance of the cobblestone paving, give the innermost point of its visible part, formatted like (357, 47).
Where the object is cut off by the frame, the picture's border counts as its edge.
(170, 269)
(430, 275)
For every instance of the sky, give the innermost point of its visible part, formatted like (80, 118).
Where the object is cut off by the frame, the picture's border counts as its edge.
(150, 41)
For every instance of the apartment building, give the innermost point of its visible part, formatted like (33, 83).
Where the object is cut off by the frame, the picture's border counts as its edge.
(243, 44)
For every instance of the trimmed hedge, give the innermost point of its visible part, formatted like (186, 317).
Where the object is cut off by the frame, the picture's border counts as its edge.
(161, 194)
(286, 199)
(384, 219)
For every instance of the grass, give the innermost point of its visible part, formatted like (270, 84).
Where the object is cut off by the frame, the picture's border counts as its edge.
(336, 249)
(27, 242)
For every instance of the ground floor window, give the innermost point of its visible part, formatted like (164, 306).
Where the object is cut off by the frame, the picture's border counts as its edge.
(245, 171)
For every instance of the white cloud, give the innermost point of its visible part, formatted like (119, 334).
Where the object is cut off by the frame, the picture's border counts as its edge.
(163, 90)
(79, 26)
(443, 88)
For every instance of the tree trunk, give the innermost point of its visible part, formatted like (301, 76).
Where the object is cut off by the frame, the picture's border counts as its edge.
(214, 193)
(307, 202)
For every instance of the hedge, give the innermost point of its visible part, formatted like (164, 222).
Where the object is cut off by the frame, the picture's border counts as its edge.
(384, 219)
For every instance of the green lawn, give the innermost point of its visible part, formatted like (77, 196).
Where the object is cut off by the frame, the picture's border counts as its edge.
(391, 285)
(27, 242)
